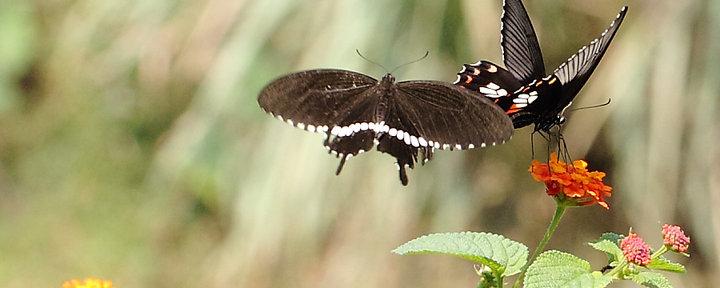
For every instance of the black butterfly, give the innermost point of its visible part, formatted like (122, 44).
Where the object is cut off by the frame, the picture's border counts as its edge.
(523, 90)
(357, 112)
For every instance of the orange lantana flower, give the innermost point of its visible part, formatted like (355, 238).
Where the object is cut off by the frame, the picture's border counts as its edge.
(573, 181)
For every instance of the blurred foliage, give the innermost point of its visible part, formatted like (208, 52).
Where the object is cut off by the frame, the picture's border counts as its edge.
(132, 147)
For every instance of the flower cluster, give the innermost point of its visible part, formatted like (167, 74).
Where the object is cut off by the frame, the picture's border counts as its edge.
(635, 249)
(88, 283)
(572, 180)
(674, 238)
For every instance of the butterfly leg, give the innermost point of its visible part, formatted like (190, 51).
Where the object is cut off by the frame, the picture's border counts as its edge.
(547, 139)
(562, 147)
(532, 145)
(566, 151)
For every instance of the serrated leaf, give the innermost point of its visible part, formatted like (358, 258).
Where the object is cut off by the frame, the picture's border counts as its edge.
(610, 248)
(651, 279)
(555, 269)
(662, 263)
(502, 255)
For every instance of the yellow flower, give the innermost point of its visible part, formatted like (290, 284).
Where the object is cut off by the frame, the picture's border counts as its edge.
(88, 283)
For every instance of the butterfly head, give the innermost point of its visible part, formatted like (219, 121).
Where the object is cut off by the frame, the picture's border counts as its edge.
(560, 120)
(388, 78)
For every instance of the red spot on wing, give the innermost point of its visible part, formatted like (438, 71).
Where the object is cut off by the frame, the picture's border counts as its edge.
(513, 109)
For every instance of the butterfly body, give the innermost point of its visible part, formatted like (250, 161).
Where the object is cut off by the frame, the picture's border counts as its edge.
(405, 119)
(523, 90)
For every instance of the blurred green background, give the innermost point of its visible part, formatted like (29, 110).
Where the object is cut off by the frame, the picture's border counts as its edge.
(132, 147)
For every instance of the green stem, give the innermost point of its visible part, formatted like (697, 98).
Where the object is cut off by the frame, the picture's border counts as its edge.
(498, 281)
(624, 263)
(617, 269)
(659, 252)
(559, 212)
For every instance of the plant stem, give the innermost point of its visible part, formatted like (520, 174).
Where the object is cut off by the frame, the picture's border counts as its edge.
(498, 281)
(559, 212)
(659, 252)
(617, 269)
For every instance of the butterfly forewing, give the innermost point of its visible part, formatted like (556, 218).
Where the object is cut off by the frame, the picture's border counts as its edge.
(447, 116)
(319, 99)
(519, 44)
(574, 73)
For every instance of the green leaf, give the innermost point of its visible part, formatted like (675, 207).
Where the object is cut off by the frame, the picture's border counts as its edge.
(651, 279)
(662, 263)
(610, 248)
(612, 237)
(558, 269)
(502, 255)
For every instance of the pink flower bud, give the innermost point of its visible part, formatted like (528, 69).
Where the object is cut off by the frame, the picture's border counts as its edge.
(635, 249)
(675, 239)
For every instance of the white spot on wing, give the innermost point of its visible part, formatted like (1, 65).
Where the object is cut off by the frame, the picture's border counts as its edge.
(422, 142)
(487, 91)
(414, 141)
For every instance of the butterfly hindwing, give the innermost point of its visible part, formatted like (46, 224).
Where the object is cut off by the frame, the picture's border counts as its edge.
(519, 44)
(487, 79)
(524, 104)
(349, 146)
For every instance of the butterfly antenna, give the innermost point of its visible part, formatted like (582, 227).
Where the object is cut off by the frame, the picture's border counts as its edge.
(411, 62)
(368, 60)
(594, 106)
